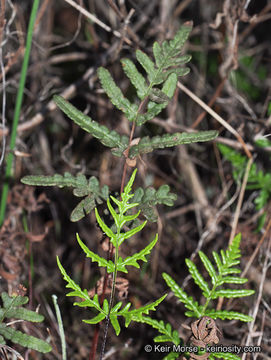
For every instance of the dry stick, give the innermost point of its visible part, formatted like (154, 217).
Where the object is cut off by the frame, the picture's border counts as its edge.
(240, 200)
(210, 103)
(257, 304)
(216, 116)
(95, 20)
(255, 252)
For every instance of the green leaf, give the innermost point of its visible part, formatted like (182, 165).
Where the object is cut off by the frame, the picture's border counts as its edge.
(137, 313)
(87, 302)
(82, 187)
(229, 315)
(104, 227)
(232, 280)
(107, 137)
(94, 257)
(232, 293)
(60, 181)
(149, 197)
(84, 207)
(13, 301)
(226, 356)
(196, 275)
(24, 314)
(136, 78)
(132, 260)
(115, 94)
(147, 64)
(188, 301)
(115, 323)
(165, 329)
(147, 144)
(25, 340)
(209, 267)
(153, 108)
(130, 233)
(97, 319)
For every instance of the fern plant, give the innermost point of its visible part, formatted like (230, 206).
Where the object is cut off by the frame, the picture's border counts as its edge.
(154, 91)
(225, 272)
(116, 236)
(12, 309)
(257, 179)
(154, 94)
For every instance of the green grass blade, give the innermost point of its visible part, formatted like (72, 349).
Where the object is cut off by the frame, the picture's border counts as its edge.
(18, 106)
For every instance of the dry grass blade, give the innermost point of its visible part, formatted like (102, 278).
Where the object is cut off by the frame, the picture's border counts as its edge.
(215, 116)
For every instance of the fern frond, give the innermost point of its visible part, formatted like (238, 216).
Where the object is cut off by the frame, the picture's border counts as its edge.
(155, 106)
(168, 334)
(137, 314)
(226, 356)
(132, 260)
(218, 278)
(78, 182)
(229, 315)
(149, 197)
(147, 144)
(12, 308)
(198, 278)
(231, 293)
(107, 137)
(137, 79)
(188, 301)
(165, 56)
(115, 95)
(82, 187)
(77, 291)
(148, 65)
(25, 340)
(109, 265)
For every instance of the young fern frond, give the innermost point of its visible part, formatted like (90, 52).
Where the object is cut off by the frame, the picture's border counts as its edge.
(116, 236)
(12, 309)
(225, 263)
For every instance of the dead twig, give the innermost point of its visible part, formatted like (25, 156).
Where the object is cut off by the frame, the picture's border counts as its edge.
(215, 116)
(96, 20)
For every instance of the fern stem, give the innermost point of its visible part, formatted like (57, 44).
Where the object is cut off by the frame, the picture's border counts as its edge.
(19, 99)
(112, 294)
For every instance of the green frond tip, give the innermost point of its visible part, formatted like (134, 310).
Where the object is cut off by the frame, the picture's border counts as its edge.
(109, 138)
(147, 144)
